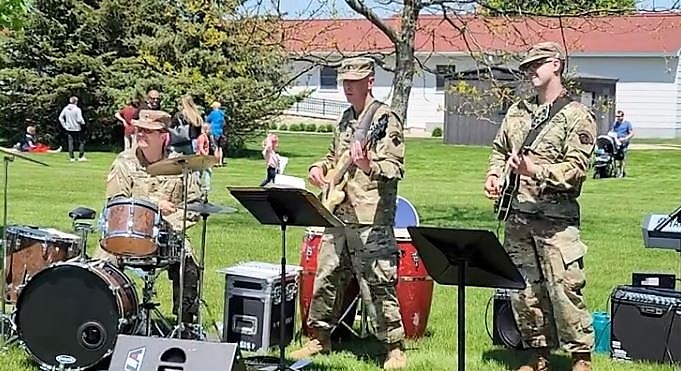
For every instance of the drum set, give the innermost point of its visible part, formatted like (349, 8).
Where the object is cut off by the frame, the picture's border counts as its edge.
(68, 307)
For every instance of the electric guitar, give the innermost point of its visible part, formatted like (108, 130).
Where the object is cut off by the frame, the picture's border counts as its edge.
(333, 192)
(510, 181)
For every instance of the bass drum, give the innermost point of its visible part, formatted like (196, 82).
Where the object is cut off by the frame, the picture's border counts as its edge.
(70, 314)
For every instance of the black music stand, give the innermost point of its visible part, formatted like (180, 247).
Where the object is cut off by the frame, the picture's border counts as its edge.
(465, 257)
(284, 207)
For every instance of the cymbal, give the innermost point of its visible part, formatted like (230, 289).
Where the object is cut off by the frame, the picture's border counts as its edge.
(18, 154)
(208, 208)
(174, 166)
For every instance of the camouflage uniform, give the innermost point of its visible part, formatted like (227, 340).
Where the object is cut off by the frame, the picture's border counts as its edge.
(366, 248)
(128, 178)
(542, 232)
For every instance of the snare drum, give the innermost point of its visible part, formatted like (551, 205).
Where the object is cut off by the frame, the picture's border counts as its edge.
(169, 249)
(130, 227)
(30, 250)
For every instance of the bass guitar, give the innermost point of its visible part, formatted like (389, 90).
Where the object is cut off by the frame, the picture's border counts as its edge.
(336, 178)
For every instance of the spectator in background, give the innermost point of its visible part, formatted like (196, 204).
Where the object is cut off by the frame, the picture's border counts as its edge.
(153, 101)
(269, 153)
(203, 149)
(186, 126)
(216, 120)
(71, 119)
(125, 116)
(623, 131)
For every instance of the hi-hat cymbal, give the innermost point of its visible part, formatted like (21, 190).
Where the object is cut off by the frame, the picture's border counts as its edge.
(174, 166)
(207, 208)
(20, 155)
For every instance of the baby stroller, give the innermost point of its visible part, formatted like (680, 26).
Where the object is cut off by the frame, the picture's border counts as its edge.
(608, 158)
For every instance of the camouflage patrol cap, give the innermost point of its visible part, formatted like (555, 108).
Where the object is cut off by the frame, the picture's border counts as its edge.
(356, 68)
(547, 49)
(153, 120)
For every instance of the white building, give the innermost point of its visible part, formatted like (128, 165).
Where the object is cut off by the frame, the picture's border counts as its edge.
(641, 51)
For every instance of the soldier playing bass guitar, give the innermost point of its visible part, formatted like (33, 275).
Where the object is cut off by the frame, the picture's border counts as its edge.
(359, 178)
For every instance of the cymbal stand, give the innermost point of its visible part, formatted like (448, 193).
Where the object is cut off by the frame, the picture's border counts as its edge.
(6, 160)
(185, 181)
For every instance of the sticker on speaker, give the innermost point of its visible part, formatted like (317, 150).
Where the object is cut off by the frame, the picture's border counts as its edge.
(134, 360)
(64, 359)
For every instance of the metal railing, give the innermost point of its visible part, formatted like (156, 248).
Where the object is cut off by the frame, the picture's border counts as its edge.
(319, 106)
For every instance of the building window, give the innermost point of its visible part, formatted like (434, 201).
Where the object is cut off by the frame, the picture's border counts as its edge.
(588, 98)
(442, 71)
(328, 78)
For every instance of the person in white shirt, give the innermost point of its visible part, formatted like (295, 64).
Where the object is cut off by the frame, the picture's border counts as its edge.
(71, 119)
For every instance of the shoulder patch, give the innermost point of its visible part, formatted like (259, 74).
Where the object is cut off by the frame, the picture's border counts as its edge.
(585, 137)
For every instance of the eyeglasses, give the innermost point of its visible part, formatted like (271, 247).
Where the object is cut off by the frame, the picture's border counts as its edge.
(536, 64)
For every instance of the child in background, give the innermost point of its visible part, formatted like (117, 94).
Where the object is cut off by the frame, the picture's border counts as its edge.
(269, 152)
(203, 149)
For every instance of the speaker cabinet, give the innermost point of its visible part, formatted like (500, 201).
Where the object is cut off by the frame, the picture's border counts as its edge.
(141, 353)
(505, 329)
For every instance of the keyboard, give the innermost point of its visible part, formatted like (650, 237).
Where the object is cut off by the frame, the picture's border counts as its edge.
(668, 237)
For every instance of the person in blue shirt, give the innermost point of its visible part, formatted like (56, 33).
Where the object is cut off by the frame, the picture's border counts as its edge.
(623, 131)
(216, 120)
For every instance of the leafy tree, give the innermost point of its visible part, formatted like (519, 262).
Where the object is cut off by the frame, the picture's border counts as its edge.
(193, 48)
(550, 7)
(12, 13)
(107, 51)
(55, 55)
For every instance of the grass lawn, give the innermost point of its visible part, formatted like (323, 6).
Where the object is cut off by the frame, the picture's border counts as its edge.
(445, 185)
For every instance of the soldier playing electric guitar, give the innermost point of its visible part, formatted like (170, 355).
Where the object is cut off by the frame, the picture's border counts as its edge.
(359, 178)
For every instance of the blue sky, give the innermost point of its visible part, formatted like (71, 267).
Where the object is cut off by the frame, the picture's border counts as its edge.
(338, 8)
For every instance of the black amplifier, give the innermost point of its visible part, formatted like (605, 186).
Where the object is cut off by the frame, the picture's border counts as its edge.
(646, 324)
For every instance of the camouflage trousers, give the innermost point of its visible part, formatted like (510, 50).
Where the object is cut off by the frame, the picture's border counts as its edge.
(371, 255)
(551, 310)
(190, 304)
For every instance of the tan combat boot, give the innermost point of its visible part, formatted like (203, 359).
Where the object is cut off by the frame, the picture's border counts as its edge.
(538, 362)
(581, 361)
(396, 358)
(320, 342)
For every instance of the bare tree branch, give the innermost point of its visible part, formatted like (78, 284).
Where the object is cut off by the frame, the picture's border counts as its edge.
(361, 8)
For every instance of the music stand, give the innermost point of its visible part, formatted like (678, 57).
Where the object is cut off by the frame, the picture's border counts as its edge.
(284, 207)
(465, 257)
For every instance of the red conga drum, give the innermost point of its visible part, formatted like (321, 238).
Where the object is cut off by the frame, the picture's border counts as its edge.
(308, 260)
(414, 287)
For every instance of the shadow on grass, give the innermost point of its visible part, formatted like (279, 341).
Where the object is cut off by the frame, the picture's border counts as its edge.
(513, 359)
(457, 216)
(369, 350)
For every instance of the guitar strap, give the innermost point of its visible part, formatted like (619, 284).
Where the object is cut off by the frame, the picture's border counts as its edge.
(555, 108)
(366, 119)
(363, 129)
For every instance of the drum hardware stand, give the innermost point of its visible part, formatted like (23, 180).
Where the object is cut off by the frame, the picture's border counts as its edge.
(185, 182)
(150, 308)
(7, 158)
(84, 229)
